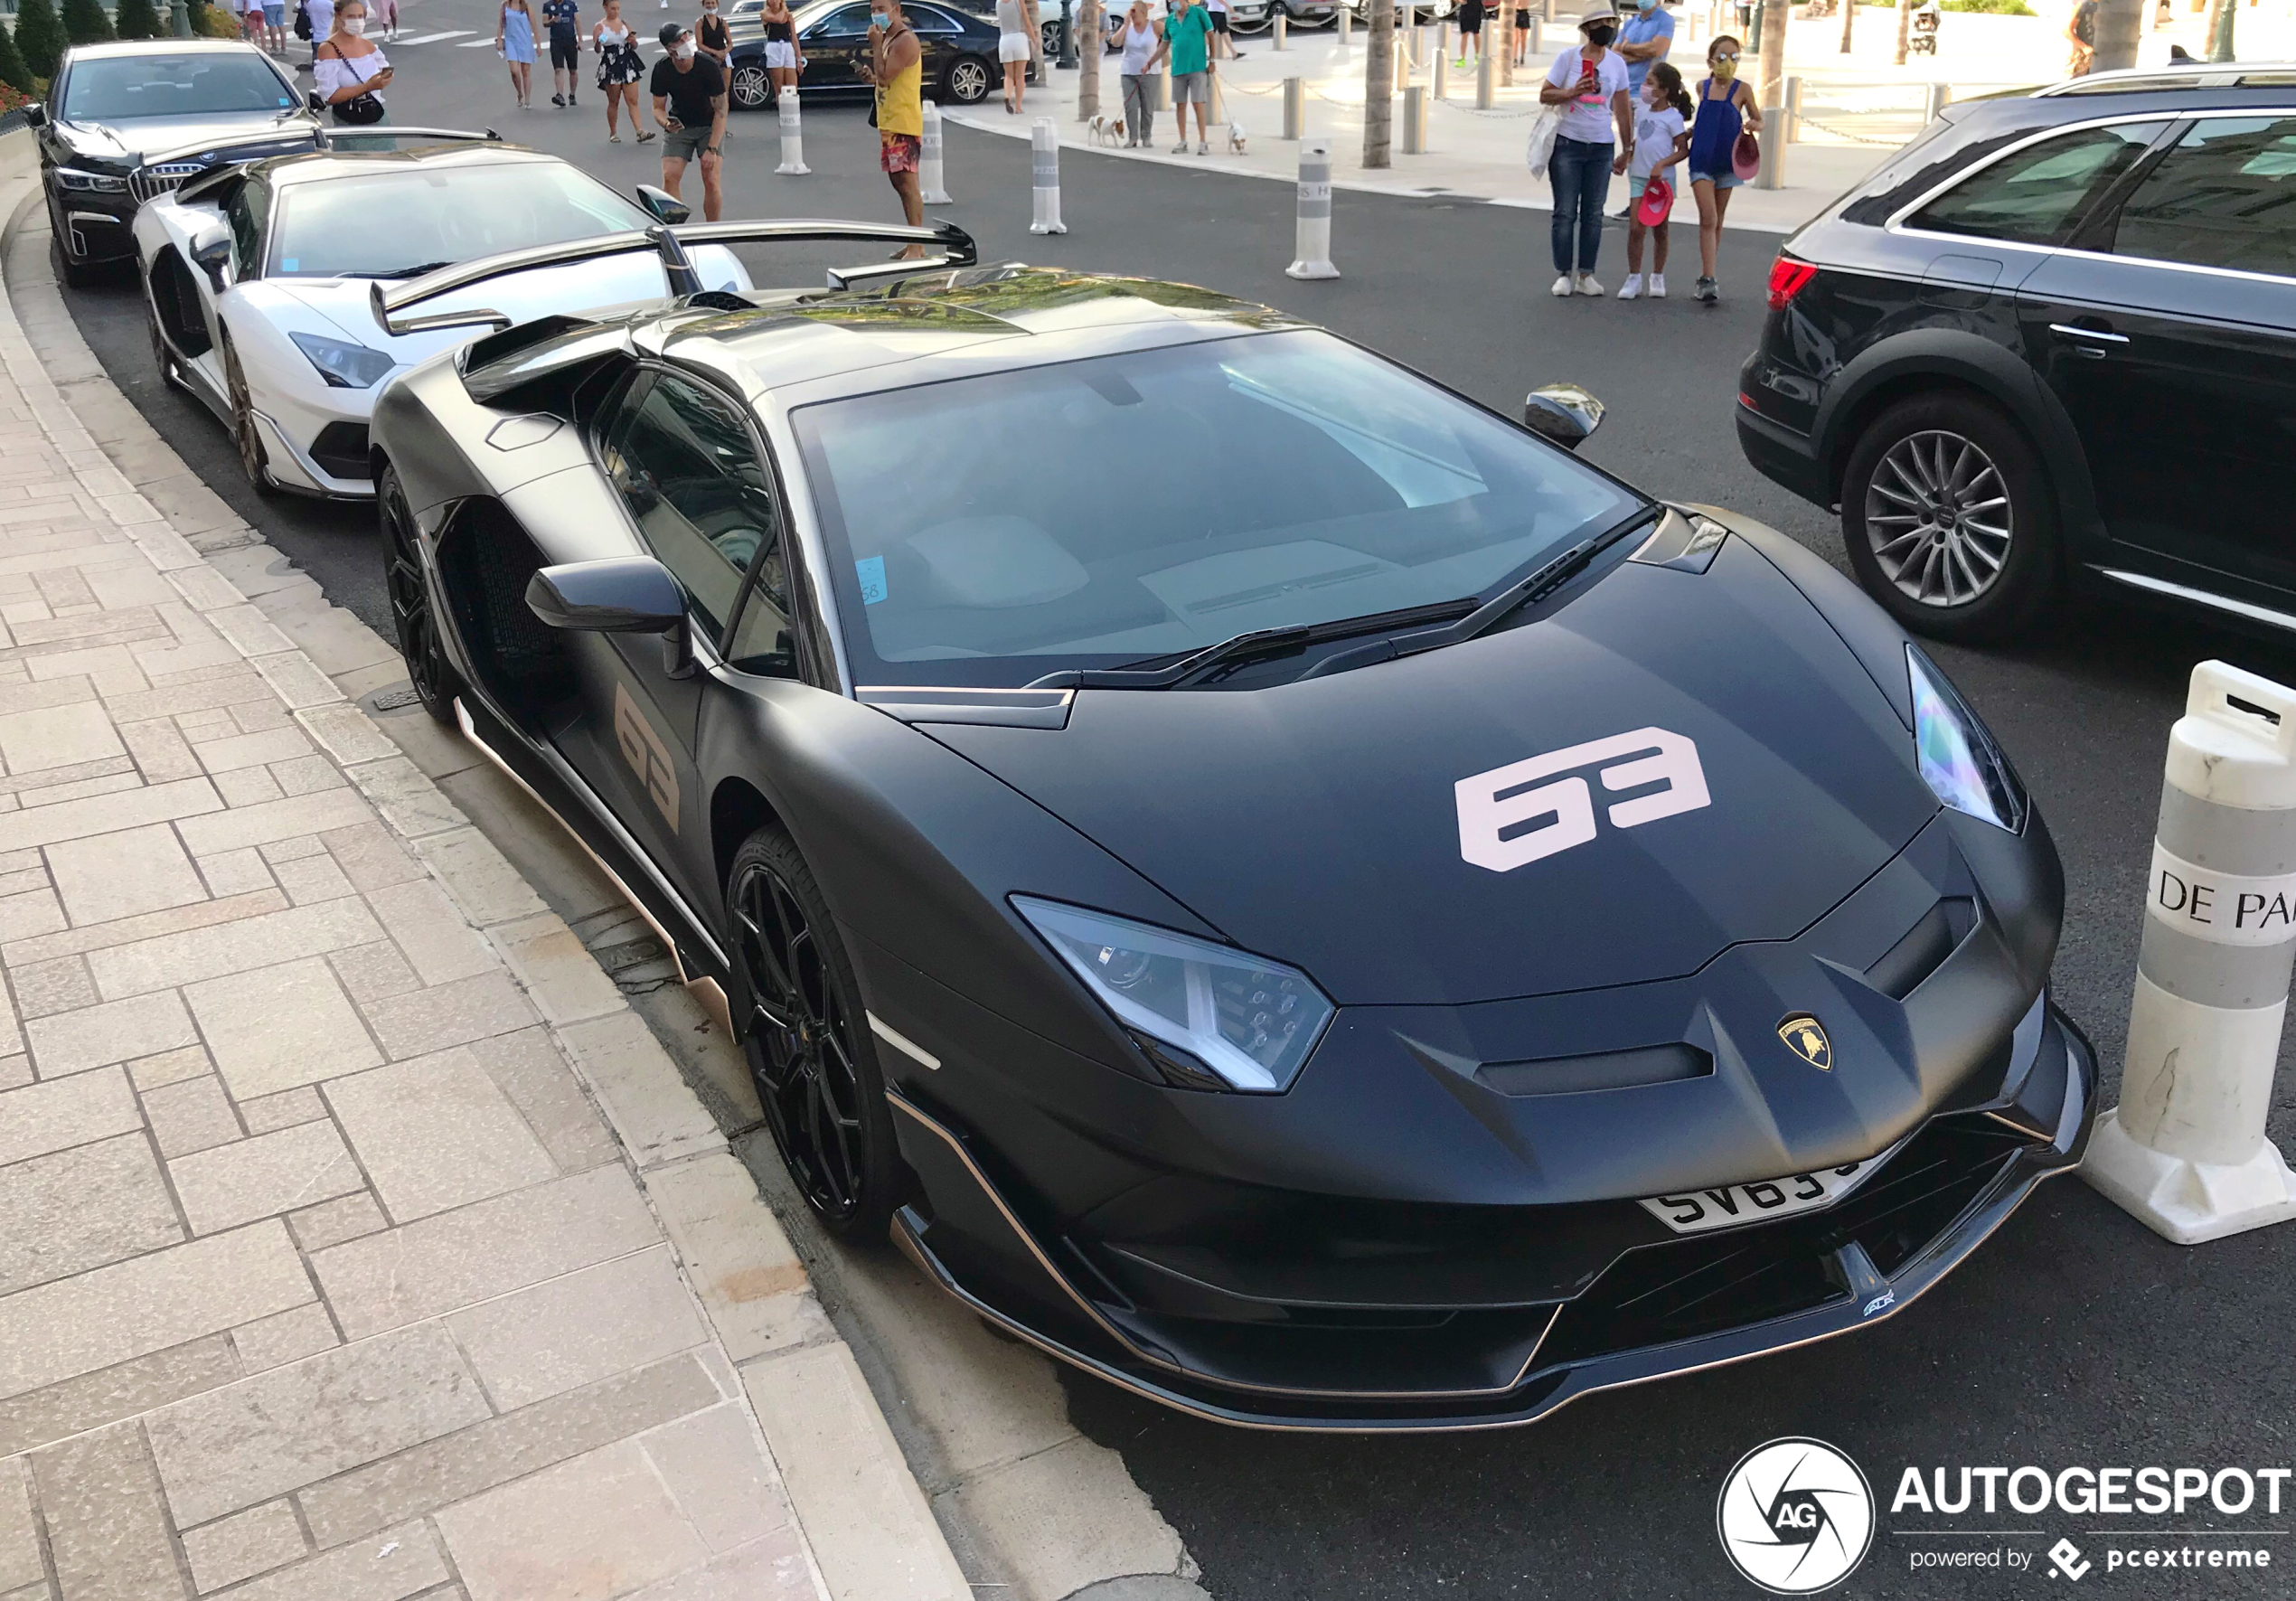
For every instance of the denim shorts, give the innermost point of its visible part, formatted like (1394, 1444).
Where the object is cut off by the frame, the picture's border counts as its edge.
(1725, 179)
(274, 15)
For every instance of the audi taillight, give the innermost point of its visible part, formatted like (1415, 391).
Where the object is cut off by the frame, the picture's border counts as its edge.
(1787, 277)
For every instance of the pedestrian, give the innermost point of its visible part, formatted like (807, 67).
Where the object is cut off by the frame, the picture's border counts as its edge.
(620, 65)
(1522, 34)
(1645, 36)
(1136, 37)
(1185, 35)
(275, 27)
(1661, 138)
(564, 20)
(896, 70)
(1223, 42)
(1470, 31)
(314, 21)
(2081, 33)
(710, 38)
(384, 15)
(1588, 81)
(514, 42)
(1714, 141)
(348, 73)
(690, 105)
(785, 61)
(1012, 50)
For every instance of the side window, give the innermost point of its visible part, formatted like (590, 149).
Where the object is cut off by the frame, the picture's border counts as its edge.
(683, 464)
(2223, 196)
(2036, 196)
(246, 211)
(927, 21)
(848, 19)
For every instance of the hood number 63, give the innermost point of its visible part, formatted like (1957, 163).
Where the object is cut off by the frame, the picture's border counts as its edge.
(1495, 807)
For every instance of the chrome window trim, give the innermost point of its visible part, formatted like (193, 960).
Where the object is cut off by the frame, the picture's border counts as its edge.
(2224, 603)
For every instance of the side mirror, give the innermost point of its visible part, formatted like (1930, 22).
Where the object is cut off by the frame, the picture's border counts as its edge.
(619, 595)
(211, 253)
(1562, 412)
(35, 115)
(661, 205)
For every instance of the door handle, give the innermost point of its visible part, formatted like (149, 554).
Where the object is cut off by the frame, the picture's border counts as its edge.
(2074, 331)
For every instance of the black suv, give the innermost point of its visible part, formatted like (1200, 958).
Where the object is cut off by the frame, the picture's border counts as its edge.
(2053, 339)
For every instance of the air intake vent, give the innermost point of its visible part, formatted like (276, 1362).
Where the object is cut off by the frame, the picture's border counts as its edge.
(1608, 1070)
(1924, 947)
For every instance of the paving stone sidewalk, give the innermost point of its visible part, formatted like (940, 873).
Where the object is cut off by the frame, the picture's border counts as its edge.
(357, 1241)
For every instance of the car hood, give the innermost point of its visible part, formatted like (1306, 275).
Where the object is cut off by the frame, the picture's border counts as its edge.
(145, 137)
(1325, 823)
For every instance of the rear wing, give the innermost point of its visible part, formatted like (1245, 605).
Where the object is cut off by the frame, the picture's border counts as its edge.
(390, 301)
(283, 138)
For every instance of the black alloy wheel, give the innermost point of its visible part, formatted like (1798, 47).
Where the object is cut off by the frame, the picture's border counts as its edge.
(254, 460)
(751, 90)
(1949, 519)
(808, 1041)
(968, 80)
(436, 682)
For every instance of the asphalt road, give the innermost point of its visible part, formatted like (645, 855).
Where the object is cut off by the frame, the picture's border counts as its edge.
(2075, 1337)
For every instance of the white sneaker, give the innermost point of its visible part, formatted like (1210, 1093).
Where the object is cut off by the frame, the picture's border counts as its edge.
(1587, 284)
(1562, 287)
(1632, 289)
(1658, 285)
(1203, 147)
(1180, 148)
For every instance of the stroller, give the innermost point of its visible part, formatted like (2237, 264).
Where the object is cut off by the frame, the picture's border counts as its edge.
(1924, 41)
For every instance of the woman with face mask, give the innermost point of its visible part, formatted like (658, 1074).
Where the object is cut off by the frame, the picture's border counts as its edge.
(709, 36)
(348, 73)
(1595, 139)
(1725, 109)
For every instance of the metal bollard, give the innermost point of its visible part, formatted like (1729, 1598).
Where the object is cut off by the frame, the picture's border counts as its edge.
(1933, 102)
(793, 137)
(1347, 26)
(1280, 32)
(1218, 107)
(1159, 91)
(931, 186)
(1311, 244)
(1044, 175)
(1537, 31)
(1443, 61)
(1415, 120)
(2185, 1152)
(1771, 175)
(1294, 108)
(1790, 128)
(1482, 82)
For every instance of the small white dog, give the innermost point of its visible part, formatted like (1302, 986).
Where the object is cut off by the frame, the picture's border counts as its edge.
(1107, 130)
(1235, 138)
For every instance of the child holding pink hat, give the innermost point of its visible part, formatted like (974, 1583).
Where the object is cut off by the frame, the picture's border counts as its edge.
(1661, 139)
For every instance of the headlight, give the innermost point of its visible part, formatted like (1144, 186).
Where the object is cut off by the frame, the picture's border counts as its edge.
(343, 365)
(1204, 1012)
(72, 178)
(1959, 760)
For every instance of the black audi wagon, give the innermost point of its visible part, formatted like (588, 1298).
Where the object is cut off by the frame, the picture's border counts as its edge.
(2052, 340)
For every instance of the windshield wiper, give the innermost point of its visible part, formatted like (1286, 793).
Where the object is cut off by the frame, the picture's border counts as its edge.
(1250, 646)
(1540, 582)
(404, 271)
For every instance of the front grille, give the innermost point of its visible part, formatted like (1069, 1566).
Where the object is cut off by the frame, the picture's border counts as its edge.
(148, 182)
(341, 449)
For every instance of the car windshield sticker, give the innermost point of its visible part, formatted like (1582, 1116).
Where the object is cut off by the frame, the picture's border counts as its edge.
(870, 570)
(289, 264)
(1508, 819)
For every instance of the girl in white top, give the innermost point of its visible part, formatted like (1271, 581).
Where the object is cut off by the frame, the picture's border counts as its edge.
(619, 68)
(344, 65)
(1661, 139)
(1012, 50)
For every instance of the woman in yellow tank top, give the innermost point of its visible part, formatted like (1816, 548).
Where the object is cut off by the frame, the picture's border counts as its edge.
(896, 69)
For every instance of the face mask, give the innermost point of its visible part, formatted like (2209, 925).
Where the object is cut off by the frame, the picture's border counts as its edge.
(355, 28)
(877, 19)
(683, 49)
(1601, 33)
(1726, 67)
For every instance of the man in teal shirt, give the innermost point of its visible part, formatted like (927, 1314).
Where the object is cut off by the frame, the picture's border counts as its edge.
(1186, 31)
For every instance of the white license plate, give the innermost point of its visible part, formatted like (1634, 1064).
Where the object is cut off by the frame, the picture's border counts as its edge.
(1694, 1212)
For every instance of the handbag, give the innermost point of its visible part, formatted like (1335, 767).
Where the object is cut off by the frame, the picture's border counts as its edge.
(361, 110)
(1745, 156)
(1543, 131)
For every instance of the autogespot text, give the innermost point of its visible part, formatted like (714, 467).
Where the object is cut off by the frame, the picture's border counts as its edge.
(2150, 1492)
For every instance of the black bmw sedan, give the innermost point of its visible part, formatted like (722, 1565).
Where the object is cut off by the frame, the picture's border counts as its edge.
(960, 53)
(126, 121)
(2052, 340)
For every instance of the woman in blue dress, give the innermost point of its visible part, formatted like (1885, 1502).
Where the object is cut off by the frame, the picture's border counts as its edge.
(515, 38)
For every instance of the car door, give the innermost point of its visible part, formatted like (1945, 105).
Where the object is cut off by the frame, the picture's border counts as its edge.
(834, 46)
(937, 36)
(2171, 335)
(690, 471)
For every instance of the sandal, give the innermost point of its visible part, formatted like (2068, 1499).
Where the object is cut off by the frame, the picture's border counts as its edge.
(645, 138)
(614, 138)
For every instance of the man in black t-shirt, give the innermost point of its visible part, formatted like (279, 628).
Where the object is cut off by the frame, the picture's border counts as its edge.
(690, 103)
(564, 18)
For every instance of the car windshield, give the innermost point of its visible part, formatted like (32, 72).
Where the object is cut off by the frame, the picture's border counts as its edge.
(987, 531)
(120, 89)
(387, 222)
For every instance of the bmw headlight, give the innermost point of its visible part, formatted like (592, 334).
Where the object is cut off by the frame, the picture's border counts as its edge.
(85, 182)
(1959, 760)
(343, 365)
(1206, 1015)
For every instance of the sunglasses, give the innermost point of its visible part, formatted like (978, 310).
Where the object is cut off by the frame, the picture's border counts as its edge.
(1727, 55)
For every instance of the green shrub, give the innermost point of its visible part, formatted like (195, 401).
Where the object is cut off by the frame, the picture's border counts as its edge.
(136, 19)
(12, 71)
(85, 22)
(40, 37)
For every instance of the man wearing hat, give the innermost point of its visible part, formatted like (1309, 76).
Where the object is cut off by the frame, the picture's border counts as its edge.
(1588, 83)
(690, 103)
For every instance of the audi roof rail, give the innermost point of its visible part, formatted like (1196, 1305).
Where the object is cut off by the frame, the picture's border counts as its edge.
(2178, 75)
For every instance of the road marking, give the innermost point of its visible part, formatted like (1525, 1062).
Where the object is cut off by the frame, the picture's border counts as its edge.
(431, 38)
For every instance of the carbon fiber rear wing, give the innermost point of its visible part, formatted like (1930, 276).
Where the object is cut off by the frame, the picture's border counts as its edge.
(390, 301)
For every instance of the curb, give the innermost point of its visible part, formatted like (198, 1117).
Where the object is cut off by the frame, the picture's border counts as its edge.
(873, 1534)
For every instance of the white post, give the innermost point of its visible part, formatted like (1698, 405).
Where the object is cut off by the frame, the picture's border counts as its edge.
(1770, 174)
(1934, 103)
(1347, 26)
(793, 137)
(1415, 120)
(1483, 82)
(1313, 242)
(1280, 43)
(1044, 173)
(1442, 61)
(930, 185)
(1792, 129)
(1295, 105)
(2185, 1151)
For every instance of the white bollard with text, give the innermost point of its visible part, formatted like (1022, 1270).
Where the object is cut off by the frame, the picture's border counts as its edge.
(2186, 1150)
(1312, 247)
(793, 137)
(931, 185)
(1044, 175)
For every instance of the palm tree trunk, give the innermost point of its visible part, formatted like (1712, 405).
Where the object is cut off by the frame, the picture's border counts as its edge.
(1088, 53)
(2119, 22)
(1905, 30)
(1378, 84)
(1849, 21)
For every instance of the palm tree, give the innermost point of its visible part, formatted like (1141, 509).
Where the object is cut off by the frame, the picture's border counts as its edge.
(1378, 84)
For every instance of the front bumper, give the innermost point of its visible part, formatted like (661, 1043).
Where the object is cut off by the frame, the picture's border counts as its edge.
(1662, 1306)
(93, 227)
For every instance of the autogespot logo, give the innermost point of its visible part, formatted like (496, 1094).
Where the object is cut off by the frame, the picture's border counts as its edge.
(1795, 1516)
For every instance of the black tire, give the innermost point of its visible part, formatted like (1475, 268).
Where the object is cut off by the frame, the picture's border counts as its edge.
(967, 80)
(751, 89)
(254, 460)
(808, 1041)
(413, 617)
(1950, 520)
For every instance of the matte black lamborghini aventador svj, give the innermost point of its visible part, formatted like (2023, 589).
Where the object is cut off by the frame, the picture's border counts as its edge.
(1277, 884)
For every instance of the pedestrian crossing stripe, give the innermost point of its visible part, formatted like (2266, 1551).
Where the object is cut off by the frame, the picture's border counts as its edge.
(430, 38)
